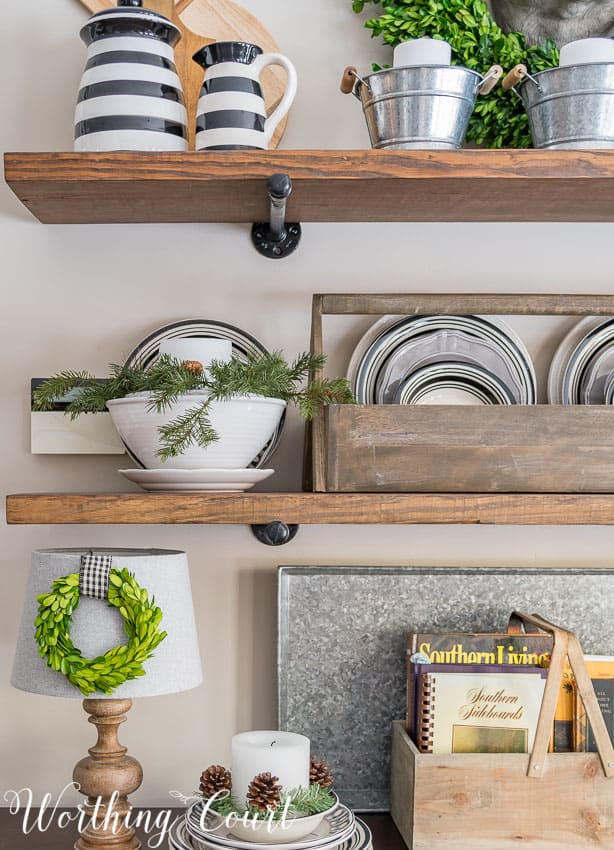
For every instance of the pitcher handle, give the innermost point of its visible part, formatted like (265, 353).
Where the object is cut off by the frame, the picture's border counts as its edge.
(282, 108)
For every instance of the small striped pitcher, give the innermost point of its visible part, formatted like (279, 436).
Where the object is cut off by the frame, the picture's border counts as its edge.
(231, 113)
(130, 96)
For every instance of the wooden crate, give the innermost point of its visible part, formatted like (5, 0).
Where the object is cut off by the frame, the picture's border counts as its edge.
(507, 801)
(450, 448)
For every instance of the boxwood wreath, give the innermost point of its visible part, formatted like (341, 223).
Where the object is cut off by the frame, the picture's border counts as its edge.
(477, 42)
(103, 674)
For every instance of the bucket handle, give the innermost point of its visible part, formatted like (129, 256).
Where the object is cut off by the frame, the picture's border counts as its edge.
(348, 81)
(517, 75)
(493, 75)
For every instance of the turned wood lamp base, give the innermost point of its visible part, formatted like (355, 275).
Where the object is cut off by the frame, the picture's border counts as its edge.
(107, 776)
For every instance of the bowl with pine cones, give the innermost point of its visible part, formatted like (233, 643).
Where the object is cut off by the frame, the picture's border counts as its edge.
(269, 815)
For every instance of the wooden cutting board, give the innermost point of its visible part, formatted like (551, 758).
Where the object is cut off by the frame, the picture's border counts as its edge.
(204, 21)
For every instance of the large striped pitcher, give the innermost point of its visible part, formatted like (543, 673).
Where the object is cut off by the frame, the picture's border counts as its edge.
(231, 114)
(130, 96)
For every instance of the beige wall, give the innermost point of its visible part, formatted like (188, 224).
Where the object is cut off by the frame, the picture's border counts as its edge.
(83, 296)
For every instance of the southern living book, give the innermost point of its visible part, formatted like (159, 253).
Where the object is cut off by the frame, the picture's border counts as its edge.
(479, 709)
(601, 670)
(486, 648)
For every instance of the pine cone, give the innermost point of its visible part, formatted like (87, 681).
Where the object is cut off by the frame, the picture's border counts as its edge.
(193, 366)
(264, 792)
(214, 779)
(320, 773)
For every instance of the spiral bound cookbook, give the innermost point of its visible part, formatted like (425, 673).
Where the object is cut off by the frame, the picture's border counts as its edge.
(477, 709)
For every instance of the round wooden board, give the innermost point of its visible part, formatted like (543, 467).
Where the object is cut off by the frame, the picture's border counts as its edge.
(204, 21)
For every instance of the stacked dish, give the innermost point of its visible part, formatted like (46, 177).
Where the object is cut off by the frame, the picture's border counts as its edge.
(222, 478)
(582, 371)
(441, 360)
(338, 830)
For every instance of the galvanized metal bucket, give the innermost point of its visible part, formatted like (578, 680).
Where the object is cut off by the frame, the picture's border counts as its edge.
(426, 107)
(570, 107)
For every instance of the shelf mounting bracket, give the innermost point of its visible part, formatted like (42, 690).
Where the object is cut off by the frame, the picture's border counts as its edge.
(277, 238)
(275, 533)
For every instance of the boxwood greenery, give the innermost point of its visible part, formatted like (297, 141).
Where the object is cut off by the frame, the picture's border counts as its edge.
(499, 119)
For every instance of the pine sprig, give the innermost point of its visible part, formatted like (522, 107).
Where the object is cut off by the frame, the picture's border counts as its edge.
(310, 801)
(48, 393)
(299, 802)
(185, 430)
(168, 379)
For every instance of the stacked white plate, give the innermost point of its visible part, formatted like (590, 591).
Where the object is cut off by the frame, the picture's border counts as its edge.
(340, 830)
(582, 370)
(441, 360)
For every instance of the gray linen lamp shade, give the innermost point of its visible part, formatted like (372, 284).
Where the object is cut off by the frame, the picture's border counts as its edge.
(97, 627)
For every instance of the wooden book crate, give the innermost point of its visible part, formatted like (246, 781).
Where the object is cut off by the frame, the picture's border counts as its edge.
(449, 448)
(508, 801)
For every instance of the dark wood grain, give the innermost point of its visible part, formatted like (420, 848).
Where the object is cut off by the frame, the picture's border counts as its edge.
(385, 834)
(357, 185)
(311, 508)
(450, 448)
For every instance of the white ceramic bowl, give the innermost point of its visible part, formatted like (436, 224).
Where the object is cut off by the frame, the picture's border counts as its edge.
(266, 832)
(244, 425)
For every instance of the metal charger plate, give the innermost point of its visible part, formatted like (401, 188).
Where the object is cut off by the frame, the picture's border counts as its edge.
(570, 358)
(480, 382)
(342, 637)
(243, 344)
(391, 333)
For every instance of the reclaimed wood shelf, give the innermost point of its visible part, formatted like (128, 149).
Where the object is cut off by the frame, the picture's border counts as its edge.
(328, 186)
(312, 508)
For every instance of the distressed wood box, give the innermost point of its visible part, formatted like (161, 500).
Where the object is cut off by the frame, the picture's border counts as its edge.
(487, 802)
(508, 801)
(450, 448)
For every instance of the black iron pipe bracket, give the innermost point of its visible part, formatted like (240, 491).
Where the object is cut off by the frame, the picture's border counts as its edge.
(277, 238)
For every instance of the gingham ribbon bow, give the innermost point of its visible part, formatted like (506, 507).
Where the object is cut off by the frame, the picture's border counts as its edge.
(94, 575)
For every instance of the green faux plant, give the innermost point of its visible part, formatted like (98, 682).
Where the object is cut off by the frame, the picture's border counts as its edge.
(477, 42)
(166, 379)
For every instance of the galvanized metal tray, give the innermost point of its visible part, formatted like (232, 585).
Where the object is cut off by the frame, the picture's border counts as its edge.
(341, 648)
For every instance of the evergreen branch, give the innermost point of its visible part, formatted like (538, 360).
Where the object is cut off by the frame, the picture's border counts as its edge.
(310, 801)
(167, 380)
(87, 401)
(190, 427)
(325, 391)
(299, 802)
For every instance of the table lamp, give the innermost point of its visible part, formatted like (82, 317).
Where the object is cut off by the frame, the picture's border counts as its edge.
(137, 599)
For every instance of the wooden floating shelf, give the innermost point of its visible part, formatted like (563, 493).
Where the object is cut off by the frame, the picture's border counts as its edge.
(312, 508)
(356, 185)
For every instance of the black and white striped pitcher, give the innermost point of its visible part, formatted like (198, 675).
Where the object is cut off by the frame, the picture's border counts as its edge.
(231, 113)
(130, 96)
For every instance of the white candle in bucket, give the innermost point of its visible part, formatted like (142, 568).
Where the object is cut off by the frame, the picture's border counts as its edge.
(422, 51)
(283, 754)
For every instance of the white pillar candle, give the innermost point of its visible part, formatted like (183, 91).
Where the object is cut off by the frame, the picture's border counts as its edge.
(203, 349)
(422, 51)
(284, 754)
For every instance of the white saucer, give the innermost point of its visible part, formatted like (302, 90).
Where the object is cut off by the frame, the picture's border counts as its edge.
(197, 480)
